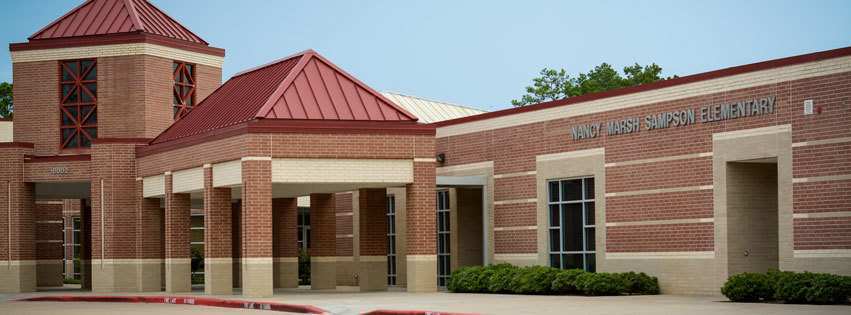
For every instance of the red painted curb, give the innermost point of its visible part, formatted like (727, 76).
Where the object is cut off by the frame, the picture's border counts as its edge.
(266, 306)
(412, 312)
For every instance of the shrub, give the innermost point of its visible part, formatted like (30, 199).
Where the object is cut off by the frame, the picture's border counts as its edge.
(501, 277)
(469, 280)
(565, 281)
(533, 280)
(639, 283)
(815, 288)
(600, 283)
(747, 287)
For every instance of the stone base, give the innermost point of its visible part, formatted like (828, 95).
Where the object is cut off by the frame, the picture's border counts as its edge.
(114, 275)
(421, 273)
(372, 273)
(218, 276)
(323, 273)
(257, 277)
(150, 275)
(49, 273)
(178, 275)
(286, 272)
(347, 271)
(17, 276)
(86, 274)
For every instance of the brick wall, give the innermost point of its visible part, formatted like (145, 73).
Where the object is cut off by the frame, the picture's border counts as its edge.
(256, 209)
(114, 206)
(372, 207)
(511, 151)
(323, 225)
(285, 212)
(344, 224)
(217, 219)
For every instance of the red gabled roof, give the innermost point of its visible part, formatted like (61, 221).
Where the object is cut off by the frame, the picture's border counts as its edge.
(302, 87)
(102, 17)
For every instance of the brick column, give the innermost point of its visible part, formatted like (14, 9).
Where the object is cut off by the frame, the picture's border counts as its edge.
(218, 247)
(285, 216)
(372, 263)
(49, 248)
(114, 214)
(421, 223)
(257, 265)
(178, 259)
(149, 241)
(17, 221)
(323, 270)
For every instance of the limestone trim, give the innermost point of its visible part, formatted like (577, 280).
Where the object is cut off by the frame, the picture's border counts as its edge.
(344, 214)
(188, 180)
(131, 261)
(662, 255)
(823, 253)
(515, 228)
(372, 258)
(323, 258)
(49, 222)
(661, 159)
(344, 258)
(517, 174)
(421, 258)
(345, 235)
(834, 214)
(218, 261)
(418, 160)
(521, 256)
(681, 91)
(286, 259)
(256, 158)
(227, 174)
(570, 155)
(170, 261)
(464, 167)
(821, 178)
(751, 132)
(21, 262)
(50, 241)
(49, 202)
(256, 260)
(820, 142)
(116, 50)
(661, 222)
(515, 201)
(153, 186)
(658, 191)
(286, 170)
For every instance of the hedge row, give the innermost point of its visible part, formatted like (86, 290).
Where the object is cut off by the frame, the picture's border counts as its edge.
(506, 278)
(788, 287)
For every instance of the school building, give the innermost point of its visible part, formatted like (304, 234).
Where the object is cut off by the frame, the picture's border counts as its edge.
(132, 167)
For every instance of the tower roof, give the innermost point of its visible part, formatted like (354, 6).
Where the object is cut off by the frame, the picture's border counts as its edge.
(302, 87)
(104, 17)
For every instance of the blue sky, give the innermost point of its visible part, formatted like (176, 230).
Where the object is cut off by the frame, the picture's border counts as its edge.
(483, 53)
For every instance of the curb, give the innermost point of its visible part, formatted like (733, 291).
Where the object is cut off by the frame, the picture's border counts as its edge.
(183, 300)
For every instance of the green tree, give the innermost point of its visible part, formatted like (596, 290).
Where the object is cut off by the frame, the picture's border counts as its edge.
(6, 108)
(552, 84)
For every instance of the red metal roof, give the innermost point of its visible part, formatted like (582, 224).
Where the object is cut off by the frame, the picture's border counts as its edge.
(302, 87)
(101, 17)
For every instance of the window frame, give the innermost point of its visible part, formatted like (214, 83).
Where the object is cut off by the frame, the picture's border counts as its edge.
(79, 85)
(444, 257)
(392, 264)
(181, 108)
(586, 200)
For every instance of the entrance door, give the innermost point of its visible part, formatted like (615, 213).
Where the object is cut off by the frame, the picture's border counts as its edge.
(752, 241)
(443, 232)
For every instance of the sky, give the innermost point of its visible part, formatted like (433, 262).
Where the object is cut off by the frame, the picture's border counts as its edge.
(483, 53)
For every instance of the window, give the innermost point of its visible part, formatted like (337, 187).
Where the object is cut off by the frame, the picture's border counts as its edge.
(571, 223)
(74, 243)
(391, 240)
(78, 103)
(303, 224)
(184, 88)
(196, 243)
(443, 231)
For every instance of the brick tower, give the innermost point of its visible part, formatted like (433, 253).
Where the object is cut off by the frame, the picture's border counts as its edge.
(89, 87)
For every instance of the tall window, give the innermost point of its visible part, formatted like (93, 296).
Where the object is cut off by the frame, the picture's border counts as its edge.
(391, 240)
(571, 214)
(74, 243)
(303, 224)
(184, 88)
(78, 103)
(196, 243)
(443, 231)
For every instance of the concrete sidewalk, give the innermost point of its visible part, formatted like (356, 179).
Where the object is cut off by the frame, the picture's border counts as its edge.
(344, 302)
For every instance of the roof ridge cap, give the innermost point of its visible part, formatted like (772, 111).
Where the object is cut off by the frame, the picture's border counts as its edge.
(272, 63)
(176, 22)
(134, 16)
